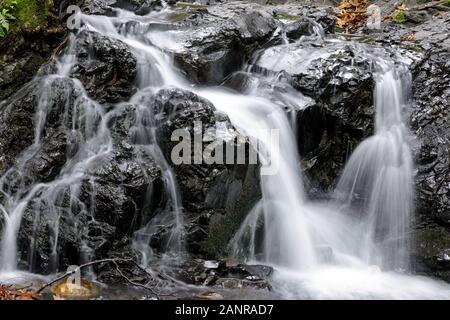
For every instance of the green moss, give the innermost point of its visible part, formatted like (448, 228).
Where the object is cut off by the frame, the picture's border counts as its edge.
(29, 14)
(286, 16)
(415, 48)
(399, 16)
(177, 17)
(432, 241)
(221, 232)
(444, 3)
(185, 5)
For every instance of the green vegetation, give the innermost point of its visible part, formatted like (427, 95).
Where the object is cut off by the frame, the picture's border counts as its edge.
(399, 16)
(444, 3)
(177, 16)
(22, 14)
(6, 17)
(415, 48)
(286, 16)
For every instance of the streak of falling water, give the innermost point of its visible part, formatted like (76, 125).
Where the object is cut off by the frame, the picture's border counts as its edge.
(154, 72)
(378, 178)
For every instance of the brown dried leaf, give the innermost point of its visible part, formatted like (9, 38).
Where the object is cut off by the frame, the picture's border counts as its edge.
(408, 37)
(11, 293)
(351, 14)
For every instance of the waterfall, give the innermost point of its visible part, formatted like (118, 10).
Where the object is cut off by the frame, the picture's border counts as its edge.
(378, 178)
(314, 247)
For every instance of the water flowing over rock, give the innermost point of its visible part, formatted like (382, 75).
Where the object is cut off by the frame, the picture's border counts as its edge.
(217, 44)
(88, 168)
(216, 197)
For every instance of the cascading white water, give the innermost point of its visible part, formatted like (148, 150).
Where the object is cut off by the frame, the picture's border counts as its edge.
(316, 248)
(285, 224)
(88, 124)
(378, 178)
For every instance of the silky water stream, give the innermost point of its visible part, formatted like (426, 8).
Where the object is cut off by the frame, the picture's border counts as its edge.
(355, 246)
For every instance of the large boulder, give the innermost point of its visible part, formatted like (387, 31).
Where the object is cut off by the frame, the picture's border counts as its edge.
(218, 40)
(96, 203)
(88, 219)
(43, 100)
(216, 197)
(340, 83)
(105, 67)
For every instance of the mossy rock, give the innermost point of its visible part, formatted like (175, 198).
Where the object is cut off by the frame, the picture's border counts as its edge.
(178, 17)
(399, 16)
(433, 246)
(286, 16)
(226, 225)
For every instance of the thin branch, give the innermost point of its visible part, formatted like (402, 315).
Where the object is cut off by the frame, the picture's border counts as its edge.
(79, 268)
(132, 282)
(116, 264)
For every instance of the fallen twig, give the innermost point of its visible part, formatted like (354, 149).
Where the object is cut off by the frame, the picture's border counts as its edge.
(69, 273)
(116, 264)
(59, 48)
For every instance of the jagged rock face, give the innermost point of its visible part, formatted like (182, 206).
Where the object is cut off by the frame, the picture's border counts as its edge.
(216, 197)
(342, 86)
(22, 54)
(105, 67)
(78, 207)
(430, 121)
(431, 127)
(19, 115)
(216, 44)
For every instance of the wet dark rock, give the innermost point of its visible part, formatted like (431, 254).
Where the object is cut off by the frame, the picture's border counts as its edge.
(22, 54)
(297, 29)
(341, 117)
(432, 253)
(105, 67)
(19, 114)
(98, 7)
(17, 133)
(251, 271)
(113, 201)
(140, 7)
(51, 156)
(229, 277)
(107, 7)
(220, 40)
(430, 122)
(232, 283)
(123, 192)
(216, 197)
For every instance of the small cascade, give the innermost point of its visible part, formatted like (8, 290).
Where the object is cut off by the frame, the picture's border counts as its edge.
(378, 179)
(376, 183)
